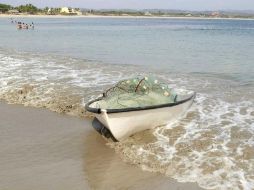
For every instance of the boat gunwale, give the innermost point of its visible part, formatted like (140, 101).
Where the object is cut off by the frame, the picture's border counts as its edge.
(98, 110)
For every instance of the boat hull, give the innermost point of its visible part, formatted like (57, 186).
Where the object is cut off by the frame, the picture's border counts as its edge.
(125, 124)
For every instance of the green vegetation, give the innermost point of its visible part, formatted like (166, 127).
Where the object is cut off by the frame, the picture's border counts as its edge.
(28, 8)
(4, 8)
(31, 9)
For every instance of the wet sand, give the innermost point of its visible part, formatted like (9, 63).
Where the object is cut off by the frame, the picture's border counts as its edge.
(44, 150)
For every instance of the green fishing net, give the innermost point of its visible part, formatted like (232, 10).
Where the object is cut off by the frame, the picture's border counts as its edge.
(137, 92)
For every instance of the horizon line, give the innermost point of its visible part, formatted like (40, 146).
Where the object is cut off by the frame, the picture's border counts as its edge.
(137, 9)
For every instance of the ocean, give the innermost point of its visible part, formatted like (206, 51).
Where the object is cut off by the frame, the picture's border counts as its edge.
(65, 62)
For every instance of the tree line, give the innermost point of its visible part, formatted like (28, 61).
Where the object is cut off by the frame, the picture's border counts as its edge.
(4, 7)
(31, 9)
(28, 8)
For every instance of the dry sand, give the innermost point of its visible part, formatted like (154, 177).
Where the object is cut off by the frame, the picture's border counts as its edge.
(43, 150)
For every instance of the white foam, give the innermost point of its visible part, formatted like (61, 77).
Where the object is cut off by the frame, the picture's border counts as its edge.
(208, 146)
(213, 164)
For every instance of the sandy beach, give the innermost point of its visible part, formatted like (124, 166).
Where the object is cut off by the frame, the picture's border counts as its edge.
(44, 150)
(124, 16)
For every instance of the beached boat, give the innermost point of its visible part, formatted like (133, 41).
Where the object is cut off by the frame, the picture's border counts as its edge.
(122, 114)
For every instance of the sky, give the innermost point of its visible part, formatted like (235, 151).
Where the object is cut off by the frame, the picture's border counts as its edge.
(143, 4)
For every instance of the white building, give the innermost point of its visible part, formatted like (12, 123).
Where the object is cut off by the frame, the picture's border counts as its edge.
(68, 10)
(147, 13)
(13, 11)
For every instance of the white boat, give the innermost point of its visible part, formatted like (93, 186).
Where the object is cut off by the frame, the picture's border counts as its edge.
(124, 122)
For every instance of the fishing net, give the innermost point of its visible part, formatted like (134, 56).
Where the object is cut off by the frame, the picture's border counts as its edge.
(137, 92)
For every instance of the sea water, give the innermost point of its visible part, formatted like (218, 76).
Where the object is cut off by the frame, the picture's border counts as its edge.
(64, 62)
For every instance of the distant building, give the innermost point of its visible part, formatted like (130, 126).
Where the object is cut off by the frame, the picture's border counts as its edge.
(215, 14)
(66, 10)
(189, 15)
(49, 11)
(13, 12)
(78, 12)
(147, 13)
(71, 11)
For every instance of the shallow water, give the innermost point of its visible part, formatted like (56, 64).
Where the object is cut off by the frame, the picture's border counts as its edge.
(212, 145)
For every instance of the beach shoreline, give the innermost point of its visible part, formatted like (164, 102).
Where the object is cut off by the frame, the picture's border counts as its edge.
(118, 17)
(64, 63)
(44, 150)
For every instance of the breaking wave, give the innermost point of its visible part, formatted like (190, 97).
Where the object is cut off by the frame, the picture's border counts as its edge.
(61, 84)
(212, 145)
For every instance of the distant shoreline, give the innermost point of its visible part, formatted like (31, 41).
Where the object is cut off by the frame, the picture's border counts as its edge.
(113, 16)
